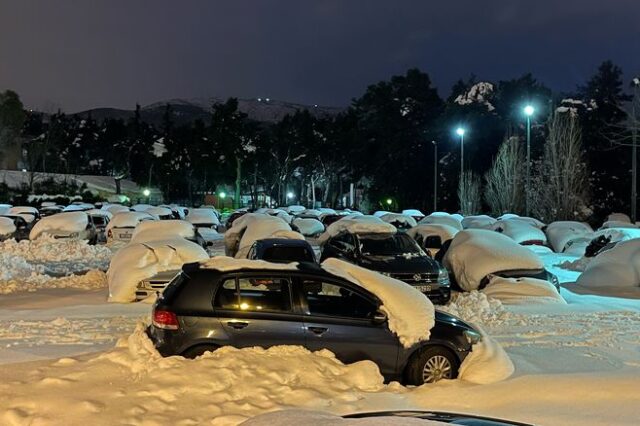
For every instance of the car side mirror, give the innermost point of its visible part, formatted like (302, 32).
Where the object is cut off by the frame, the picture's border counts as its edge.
(379, 317)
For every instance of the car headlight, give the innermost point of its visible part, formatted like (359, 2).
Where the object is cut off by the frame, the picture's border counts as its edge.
(472, 337)
(443, 276)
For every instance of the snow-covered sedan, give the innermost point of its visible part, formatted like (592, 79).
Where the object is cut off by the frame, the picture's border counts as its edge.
(74, 225)
(355, 313)
(122, 225)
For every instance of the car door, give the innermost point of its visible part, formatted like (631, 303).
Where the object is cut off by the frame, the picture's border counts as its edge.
(339, 318)
(257, 310)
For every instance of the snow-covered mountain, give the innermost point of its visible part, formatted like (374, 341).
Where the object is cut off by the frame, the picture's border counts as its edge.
(185, 110)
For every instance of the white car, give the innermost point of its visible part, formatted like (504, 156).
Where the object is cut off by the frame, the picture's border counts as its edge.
(66, 225)
(122, 225)
(166, 229)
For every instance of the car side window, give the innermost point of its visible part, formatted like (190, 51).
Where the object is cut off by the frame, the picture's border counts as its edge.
(254, 294)
(343, 242)
(433, 241)
(329, 299)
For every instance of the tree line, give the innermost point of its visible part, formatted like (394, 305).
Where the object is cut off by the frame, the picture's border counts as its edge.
(384, 144)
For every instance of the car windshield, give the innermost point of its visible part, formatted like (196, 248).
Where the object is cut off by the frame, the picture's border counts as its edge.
(388, 245)
(98, 220)
(287, 254)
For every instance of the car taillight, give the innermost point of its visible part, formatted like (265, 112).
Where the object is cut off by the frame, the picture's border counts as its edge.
(165, 320)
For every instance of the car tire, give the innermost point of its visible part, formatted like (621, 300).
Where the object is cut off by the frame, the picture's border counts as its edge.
(431, 364)
(196, 351)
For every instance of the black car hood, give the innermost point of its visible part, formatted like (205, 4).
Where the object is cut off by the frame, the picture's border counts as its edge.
(439, 416)
(399, 264)
(444, 318)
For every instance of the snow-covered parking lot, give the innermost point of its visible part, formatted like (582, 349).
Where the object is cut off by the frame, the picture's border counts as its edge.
(69, 357)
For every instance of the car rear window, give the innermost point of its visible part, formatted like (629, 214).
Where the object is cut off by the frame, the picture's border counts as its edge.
(288, 254)
(191, 292)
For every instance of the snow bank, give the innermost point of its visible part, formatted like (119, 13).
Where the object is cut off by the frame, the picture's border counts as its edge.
(618, 267)
(517, 291)
(411, 315)
(308, 227)
(17, 275)
(563, 234)
(520, 231)
(357, 225)
(477, 308)
(154, 230)
(476, 253)
(138, 261)
(443, 219)
(400, 219)
(61, 223)
(478, 222)
(7, 227)
(487, 363)
(203, 216)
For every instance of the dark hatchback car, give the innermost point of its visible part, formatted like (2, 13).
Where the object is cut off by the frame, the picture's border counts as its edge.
(203, 309)
(282, 250)
(393, 254)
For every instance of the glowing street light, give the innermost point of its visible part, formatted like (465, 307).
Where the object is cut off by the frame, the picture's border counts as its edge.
(223, 195)
(389, 201)
(290, 195)
(146, 192)
(528, 110)
(460, 131)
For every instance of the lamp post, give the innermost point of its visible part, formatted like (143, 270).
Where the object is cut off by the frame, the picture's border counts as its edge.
(528, 112)
(147, 194)
(222, 196)
(435, 176)
(460, 132)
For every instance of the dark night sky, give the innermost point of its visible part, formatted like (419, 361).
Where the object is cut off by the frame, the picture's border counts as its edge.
(82, 54)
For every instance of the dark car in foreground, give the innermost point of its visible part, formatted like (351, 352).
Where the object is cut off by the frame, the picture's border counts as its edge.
(204, 308)
(439, 416)
(393, 254)
(281, 250)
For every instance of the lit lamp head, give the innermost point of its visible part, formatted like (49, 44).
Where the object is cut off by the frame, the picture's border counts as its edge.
(460, 131)
(222, 195)
(146, 192)
(289, 194)
(529, 110)
(389, 201)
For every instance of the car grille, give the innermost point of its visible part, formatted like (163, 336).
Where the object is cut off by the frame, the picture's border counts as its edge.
(417, 278)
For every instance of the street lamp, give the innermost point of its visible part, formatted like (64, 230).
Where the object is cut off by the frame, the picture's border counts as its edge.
(528, 112)
(389, 201)
(460, 131)
(290, 195)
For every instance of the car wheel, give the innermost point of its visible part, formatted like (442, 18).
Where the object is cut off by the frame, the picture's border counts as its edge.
(196, 351)
(430, 365)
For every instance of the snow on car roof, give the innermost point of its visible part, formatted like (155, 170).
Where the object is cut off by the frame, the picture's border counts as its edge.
(159, 211)
(63, 222)
(138, 261)
(7, 226)
(475, 253)
(520, 231)
(115, 208)
(225, 264)
(478, 222)
(397, 217)
(308, 226)
(445, 232)
(412, 212)
(443, 219)
(255, 226)
(162, 229)
(203, 216)
(411, 315)
(617, 267)
(560, 233)
(357, 225)
(96, 212)
(126, 219)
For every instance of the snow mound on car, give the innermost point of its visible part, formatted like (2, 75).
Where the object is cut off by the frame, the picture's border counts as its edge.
(478, 222)
(443, 219)
(7, 227)
(411, 315)
(154, 230)
(399, 218)
(618, 267)
(226, 263)
(61, 222)
(563, 234)
(203, 216)
(127, 219)
(357, 225)
(520, 231)
(487, 363)
(138, 261)
(251, 227)
(445, 232)
(476, 253)
(308, 226)
(518, 291)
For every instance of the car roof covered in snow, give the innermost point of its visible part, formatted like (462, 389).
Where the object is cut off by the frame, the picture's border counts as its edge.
(357, 225)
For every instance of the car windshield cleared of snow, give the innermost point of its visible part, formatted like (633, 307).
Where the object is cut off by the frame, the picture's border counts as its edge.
(388, 245)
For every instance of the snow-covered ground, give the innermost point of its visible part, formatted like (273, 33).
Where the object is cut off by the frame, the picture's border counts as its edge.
(575, 364)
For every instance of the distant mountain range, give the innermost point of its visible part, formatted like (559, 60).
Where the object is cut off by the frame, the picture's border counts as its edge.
(187, 110)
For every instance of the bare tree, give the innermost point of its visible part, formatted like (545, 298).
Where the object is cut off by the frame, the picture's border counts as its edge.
(469, 193)
(503, 189)
(560, 183)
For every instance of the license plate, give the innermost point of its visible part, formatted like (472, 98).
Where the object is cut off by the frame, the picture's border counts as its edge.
(424, 288)
(127, 236)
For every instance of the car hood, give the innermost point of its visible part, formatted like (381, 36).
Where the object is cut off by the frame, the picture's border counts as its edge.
(444, 318)
(400, 264)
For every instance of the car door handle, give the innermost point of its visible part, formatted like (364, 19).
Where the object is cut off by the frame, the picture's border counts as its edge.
(237, 324)
(317, 330)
